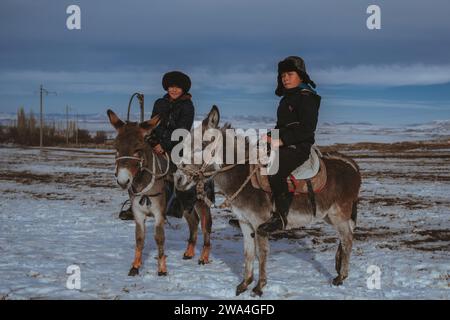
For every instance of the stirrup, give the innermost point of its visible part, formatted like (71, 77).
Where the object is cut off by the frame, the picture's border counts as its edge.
(125, 214)
(284, 224)
(269, 223)
(124, 203)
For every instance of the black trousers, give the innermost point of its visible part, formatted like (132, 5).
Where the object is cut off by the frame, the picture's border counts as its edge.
(289, 160)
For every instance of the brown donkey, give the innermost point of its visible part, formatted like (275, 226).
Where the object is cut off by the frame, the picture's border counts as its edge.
(336, 204)
(143, 173)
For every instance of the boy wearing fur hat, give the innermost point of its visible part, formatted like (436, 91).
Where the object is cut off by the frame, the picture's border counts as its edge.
(297, 116)
(176, 111)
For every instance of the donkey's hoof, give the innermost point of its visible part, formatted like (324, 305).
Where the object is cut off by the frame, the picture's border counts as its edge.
(133, 272)
(257, 291)
(338, 281)
(162, 273)
(240, 288)
(186, 257)
(203, 261)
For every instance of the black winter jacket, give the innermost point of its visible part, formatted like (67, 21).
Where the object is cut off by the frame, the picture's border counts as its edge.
(297, 116)
(175, 114)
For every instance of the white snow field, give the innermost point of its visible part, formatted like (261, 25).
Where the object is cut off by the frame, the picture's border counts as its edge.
(59, 208)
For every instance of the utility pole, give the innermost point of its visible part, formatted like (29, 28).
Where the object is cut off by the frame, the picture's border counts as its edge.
(76, 131)
(41, 136)
(41, 118)
(67, 124)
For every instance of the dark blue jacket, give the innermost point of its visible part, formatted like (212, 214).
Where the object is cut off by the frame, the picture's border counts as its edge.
(297, 116)
(174, 115)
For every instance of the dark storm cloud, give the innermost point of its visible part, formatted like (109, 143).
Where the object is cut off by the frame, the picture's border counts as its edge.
(230, 48)
(221, 33)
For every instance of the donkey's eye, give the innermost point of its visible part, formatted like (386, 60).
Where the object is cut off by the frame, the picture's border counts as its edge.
(138, 152)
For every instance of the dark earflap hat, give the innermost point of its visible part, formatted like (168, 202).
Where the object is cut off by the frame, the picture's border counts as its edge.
(292, 63)
(176, 79)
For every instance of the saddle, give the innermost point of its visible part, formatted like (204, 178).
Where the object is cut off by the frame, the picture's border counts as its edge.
(312, 172)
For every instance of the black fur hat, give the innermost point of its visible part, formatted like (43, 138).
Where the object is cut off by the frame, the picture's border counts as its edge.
(292, 63)
(177, 79)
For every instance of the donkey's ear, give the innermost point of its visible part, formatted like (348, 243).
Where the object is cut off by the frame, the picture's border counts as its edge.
(114, 119)
(151, 124)
(212, 120)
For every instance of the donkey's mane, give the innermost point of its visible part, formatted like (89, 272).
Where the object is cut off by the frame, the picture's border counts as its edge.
(227, 126)
(249, 145)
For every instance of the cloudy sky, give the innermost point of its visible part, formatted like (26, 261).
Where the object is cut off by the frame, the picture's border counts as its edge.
(230, 48)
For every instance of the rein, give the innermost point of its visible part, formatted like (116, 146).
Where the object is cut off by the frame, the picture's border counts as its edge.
(202, 176)
(152, 171)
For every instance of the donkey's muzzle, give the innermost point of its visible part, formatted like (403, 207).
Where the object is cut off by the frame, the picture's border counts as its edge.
(123, 185)
(124, 178)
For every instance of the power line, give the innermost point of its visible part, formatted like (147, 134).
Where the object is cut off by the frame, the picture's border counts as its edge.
(41, 120)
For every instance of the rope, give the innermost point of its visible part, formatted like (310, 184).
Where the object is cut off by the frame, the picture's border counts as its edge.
(159, 165)
(153, 172)
(140, 97)
(200, 188)
(227, 202)
(201, 174)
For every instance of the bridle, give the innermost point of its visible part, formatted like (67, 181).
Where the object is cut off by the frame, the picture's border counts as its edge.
(153, 172)
(202, 176)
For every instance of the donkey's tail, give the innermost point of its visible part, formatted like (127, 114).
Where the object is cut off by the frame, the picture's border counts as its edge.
(354, 215)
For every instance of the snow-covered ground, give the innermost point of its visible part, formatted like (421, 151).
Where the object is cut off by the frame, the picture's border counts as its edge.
(59, 208)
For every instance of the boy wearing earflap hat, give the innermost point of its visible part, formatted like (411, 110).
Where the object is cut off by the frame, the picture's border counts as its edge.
(297, 116)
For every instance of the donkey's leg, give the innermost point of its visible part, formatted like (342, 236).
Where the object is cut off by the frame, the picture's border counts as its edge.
(338, 259)
(159, 238)
(206, 223)
(262, 245)
(139, 219)
(249, 253)
(344, 250)
(192, 220)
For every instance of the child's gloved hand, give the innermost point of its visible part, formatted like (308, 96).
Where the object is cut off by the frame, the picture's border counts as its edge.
(276, 143)
(158, 149)
(152, 140)
(266, 138)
